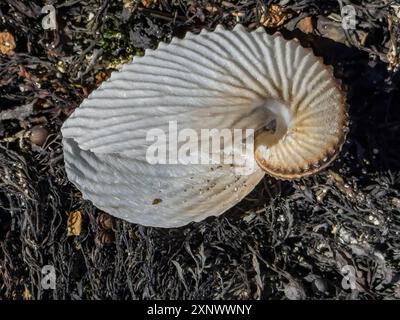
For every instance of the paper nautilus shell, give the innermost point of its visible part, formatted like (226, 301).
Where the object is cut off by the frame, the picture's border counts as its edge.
(214, 80)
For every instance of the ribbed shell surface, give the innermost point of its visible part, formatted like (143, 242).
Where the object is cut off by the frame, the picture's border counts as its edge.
(220, 79)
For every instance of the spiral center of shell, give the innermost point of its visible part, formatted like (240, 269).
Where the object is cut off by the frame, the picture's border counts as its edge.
(278, 123)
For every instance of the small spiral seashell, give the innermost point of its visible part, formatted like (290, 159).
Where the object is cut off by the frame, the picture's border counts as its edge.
(221, 79)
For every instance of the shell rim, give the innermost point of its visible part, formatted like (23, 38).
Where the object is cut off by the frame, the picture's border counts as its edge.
(333, 151)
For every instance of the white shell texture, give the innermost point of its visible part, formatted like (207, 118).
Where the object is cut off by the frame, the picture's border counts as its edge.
(215, 79)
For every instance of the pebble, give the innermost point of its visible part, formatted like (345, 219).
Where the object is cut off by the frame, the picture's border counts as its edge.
(38, 135)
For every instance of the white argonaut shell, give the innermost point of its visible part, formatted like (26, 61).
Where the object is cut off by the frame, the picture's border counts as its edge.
(220, 79)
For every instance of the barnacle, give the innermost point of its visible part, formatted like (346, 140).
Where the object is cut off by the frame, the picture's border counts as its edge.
(221, 79)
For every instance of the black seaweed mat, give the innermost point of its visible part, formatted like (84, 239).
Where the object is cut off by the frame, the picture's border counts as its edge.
(286, 240)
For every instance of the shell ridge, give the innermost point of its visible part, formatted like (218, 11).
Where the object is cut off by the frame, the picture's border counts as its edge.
(317, 78)
(304, 95)
(309, 74)
(144, 67)
(166, 79)
(202, 65)
(265, 52)
(281, 69)
(236, 76)
(290, 56)
(239, 41)
(160, 62)
(293, 155)
(222, 66)
(298, 74)
(316, 96)
(271, 66)
(309, 148)
(245, 77)
(245, 66)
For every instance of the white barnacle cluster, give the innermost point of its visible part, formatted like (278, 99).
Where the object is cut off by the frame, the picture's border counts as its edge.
(214, 80)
